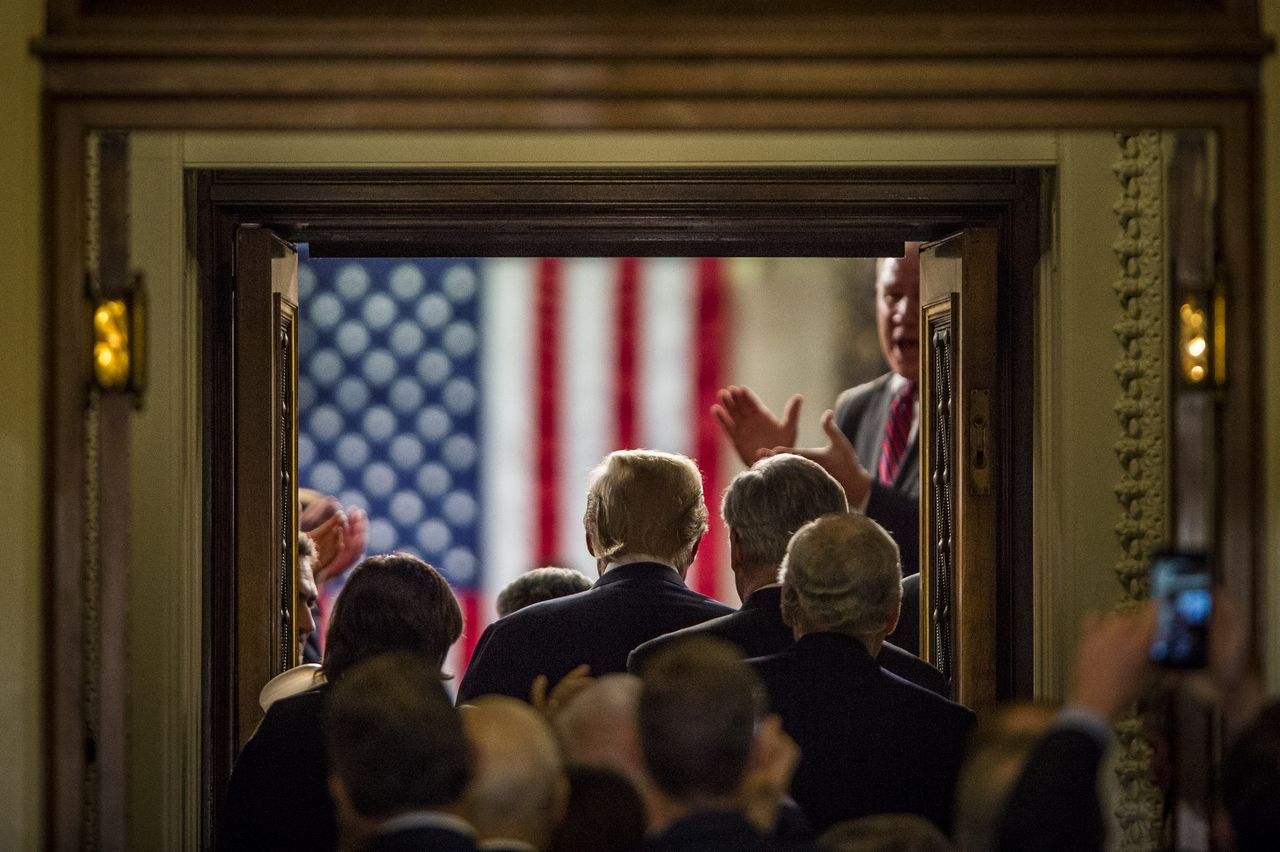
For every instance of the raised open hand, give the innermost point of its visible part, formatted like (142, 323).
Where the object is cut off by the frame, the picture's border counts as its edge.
(750, 425)
(837, 458)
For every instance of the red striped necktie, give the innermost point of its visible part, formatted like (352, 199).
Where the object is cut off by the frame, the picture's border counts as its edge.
(897, 430)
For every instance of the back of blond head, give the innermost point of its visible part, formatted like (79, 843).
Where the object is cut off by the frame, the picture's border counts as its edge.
(645, 502)
(841, 574)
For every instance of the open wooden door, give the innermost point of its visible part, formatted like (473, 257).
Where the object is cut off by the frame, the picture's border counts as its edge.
(958, 352)
(266, 495)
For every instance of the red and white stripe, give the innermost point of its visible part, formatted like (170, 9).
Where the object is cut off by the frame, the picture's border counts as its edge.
(581, 356)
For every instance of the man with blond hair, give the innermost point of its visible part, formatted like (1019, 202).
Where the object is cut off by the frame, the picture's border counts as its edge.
(645, 516)
(871, 741)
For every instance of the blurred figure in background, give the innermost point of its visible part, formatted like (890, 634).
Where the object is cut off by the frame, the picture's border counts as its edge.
(540, 584)
(394, 602)
(339, 536)
(518, 790)
(399, 758)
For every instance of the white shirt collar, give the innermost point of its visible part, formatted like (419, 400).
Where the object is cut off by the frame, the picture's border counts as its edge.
(426, 819)
(633, 558)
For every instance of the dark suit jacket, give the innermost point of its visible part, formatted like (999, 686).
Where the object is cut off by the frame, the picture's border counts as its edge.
(629, 605)
(709, 832)
(861, 413)
(278, 797)
(1055, 804)
(422, 839)
(870, 741)
(758, 629)
(907, 634)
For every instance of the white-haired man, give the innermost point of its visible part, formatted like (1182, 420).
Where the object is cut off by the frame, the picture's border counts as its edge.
(871, 741)
(645, 517)
(763, 507)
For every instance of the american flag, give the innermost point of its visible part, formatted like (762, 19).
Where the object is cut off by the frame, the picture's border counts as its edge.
(462, 401)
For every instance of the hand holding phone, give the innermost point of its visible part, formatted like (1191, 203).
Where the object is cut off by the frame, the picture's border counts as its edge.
(1182, 588)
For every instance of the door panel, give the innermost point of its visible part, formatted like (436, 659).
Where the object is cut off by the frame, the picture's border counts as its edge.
(958, 327)
(266, 496)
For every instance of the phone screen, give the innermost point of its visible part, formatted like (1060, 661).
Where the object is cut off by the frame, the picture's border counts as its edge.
(1182, 588)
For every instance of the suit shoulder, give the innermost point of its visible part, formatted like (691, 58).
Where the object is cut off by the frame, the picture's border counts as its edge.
(854, 400)
(925, 699)
(718, 627)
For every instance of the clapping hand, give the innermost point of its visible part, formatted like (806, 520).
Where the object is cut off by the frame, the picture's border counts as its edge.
(750, 425)
(837, 458)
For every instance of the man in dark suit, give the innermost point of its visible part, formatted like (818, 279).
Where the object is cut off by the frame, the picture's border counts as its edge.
(763, 507)
(645, 516)
(700, 718)
(873, 429)
(398, 758)
(870, 741)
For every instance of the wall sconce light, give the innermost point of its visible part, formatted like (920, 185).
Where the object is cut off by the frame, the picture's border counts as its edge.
(1193, 342)
(118, 335)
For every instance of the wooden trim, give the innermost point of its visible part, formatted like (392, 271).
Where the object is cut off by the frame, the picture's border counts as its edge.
(113, 516)
(875, 78)
(1142, 107)
(557, 212)
(220, 648)
(1239, 526)
(68, 378)
(1156, 31)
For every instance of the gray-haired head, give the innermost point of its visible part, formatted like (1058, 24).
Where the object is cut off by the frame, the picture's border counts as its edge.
(765, 504)
(538, 585)
(841, 574)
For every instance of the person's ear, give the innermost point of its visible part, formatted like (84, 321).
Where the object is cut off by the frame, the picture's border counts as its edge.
(590, 549)
(891, 623)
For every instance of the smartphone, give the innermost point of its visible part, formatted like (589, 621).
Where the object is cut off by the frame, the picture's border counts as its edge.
(1182, 588)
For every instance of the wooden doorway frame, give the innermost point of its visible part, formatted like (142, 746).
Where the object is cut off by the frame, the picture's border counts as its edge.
(603, 212)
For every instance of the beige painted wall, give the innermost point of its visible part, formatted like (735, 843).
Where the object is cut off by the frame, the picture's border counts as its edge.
(21, 448)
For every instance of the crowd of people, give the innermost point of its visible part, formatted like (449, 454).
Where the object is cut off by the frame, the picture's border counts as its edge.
(639, 715)
(633, 713)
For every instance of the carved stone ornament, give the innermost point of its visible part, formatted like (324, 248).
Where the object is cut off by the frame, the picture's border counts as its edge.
(1141, 447)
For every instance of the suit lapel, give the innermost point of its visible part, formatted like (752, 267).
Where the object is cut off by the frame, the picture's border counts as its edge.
(871, 429)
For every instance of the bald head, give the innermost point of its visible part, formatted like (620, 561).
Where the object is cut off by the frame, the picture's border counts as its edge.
(842, 574)
(518, 788)
(598, 727)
